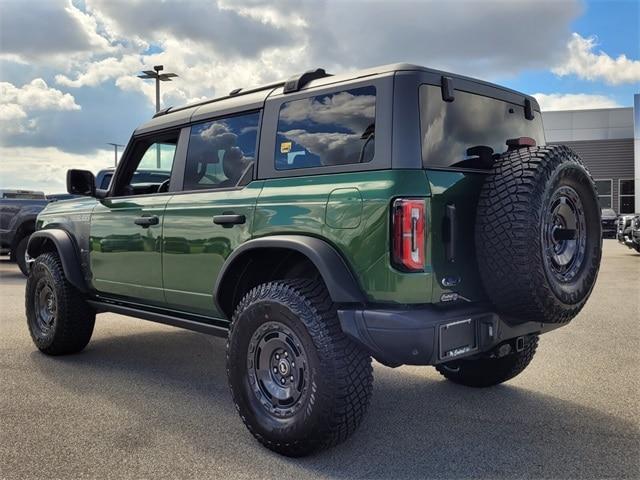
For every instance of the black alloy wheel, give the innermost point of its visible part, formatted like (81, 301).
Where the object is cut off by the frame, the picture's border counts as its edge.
(278, 369)
(564, 234)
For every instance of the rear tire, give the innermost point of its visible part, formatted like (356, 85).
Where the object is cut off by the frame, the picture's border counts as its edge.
(60, 320)
(538, 235)
(19, 256)
(487, 372)
(298, 382)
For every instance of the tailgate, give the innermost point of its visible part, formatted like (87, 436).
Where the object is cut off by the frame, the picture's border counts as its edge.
(453, 253)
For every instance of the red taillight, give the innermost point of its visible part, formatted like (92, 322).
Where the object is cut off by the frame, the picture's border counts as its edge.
(408, 231)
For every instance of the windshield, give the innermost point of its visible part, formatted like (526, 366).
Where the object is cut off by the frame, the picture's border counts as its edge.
(470, 131)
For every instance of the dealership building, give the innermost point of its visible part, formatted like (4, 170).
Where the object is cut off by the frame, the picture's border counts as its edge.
(608, 140)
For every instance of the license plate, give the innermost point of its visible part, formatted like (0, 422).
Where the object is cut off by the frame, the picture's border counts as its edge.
(457, 338)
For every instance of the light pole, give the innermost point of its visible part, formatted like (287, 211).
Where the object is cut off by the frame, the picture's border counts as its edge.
(115, 152)
(159, 77)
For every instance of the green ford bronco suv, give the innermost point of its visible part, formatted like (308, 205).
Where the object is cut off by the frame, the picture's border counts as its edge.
(400, 213)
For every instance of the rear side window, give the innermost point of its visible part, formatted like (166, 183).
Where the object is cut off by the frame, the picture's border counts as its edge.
(325, 130)
(456, 134)
(221, 153)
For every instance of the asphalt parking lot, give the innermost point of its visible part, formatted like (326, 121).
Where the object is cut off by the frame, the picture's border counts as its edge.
(149, 401)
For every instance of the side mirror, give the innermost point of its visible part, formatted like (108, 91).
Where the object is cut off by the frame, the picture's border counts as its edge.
(81, 182)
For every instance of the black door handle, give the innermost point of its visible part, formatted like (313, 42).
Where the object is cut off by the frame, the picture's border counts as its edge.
(228, 220)
(146, 222)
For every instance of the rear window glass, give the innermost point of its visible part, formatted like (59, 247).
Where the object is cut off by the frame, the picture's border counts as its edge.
(325, 130)
(457, 134)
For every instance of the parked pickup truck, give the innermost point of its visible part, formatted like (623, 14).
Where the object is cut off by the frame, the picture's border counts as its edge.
(629, 231)
(18, 212)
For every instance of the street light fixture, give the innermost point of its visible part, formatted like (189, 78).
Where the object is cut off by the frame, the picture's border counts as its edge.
(115, 152)
(159, 77)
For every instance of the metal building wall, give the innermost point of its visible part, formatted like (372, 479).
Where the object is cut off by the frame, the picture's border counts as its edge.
(607, 159)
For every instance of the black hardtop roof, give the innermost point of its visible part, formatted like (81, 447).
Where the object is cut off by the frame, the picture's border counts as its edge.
(255, 97)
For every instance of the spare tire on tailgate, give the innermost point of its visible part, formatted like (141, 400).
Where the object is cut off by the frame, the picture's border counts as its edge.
(538, 234)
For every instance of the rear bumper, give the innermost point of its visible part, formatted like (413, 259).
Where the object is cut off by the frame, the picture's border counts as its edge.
(420, 336)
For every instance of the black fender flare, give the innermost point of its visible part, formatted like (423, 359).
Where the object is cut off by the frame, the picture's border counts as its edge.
(67, 251)
(340, 281)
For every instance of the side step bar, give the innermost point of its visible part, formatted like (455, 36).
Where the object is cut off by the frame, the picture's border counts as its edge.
(217, 329)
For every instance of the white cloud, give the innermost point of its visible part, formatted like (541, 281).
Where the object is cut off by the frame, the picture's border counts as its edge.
(20, 106)
(11, 112)
(583, 62)
(221, 45)
(573, 101)
(52, 30)
(36, 96)
(52, 179)
(229, 31)
(95, 73)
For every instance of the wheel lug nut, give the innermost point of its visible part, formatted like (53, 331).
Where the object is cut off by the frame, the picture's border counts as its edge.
(291, 378)
(275, 370)
(277, 357)
(293, 364)
(282, 381)
(286, 354)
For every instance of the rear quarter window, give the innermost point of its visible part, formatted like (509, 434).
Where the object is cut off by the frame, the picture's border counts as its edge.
(326, 130)
(450, 129)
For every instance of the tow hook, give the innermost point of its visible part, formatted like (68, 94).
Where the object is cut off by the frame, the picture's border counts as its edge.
(519, 344)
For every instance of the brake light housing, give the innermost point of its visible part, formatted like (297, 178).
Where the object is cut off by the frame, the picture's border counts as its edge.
(408, 233)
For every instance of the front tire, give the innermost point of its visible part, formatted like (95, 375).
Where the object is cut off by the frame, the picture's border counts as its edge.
(59, 319)
(298, 382)
(487, 372)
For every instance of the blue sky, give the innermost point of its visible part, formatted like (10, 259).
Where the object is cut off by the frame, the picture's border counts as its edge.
(616, 26)
(68, 68)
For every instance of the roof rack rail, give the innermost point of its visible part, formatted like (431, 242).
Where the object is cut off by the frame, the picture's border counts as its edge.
(295, 83)
(231, 94)
(159, 113)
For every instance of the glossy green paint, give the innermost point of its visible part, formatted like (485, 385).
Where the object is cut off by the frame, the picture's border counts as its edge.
(175, 263)
(301, 204)
(125, 258)
(194, 248)
(461, 190)
(344, 208)
(73, 216)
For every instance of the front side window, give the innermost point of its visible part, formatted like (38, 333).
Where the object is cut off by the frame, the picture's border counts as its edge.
(326, 130)
(471, 130)
(222, 152)
(148, 169)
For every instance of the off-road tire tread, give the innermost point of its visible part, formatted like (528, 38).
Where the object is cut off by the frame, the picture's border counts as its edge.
(487, 372)
(75, 317)
(345, 404)
(508, 216)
